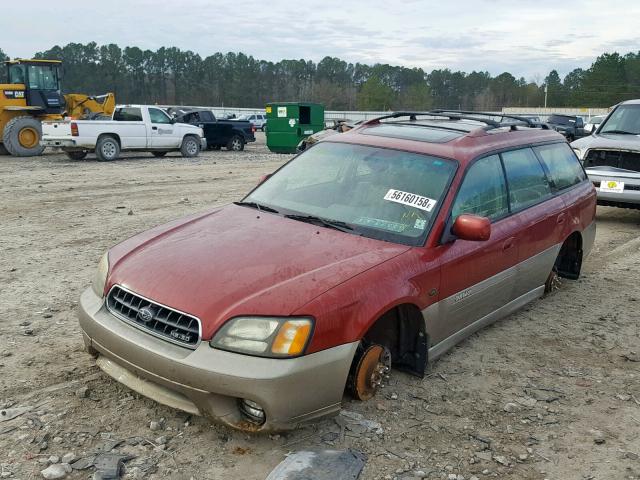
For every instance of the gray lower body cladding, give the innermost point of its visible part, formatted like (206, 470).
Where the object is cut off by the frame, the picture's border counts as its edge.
(211, 382)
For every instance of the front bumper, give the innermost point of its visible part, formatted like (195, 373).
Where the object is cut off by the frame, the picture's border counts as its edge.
(211, 382)
(629, 196)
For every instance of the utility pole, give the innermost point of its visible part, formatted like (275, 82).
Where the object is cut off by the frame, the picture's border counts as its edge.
(546, 90)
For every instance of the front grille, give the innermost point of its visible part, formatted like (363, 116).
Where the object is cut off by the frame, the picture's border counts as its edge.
(612, 158)
(161, 321)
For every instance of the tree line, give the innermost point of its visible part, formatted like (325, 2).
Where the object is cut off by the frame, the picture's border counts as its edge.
(171, 76)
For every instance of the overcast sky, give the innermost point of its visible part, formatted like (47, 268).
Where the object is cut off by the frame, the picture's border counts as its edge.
(526, 38)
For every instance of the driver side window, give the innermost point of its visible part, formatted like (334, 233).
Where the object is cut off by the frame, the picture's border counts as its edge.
(483, 191)
(158, 116)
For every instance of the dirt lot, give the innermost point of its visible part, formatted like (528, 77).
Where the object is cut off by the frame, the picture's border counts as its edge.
(550, 392)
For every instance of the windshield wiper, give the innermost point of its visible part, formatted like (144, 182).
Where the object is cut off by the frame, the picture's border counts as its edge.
(257, 206)
(620, 132)
(325, 222)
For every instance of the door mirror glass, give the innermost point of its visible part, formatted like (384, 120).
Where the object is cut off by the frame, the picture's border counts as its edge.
(472, 228)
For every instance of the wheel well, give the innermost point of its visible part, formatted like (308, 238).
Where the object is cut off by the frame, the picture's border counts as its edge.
(569, 260)
(402, 331)
(114, 135)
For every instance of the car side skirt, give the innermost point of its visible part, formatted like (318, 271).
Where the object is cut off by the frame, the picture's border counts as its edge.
(517, 286)
(442, 347)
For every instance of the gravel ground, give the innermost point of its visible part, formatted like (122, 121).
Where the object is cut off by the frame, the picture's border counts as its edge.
(552, 391)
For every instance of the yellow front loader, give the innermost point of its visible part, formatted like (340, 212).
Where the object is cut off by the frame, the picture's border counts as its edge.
(33, 95)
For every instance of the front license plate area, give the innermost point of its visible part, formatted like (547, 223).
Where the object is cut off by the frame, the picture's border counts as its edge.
(611, 186)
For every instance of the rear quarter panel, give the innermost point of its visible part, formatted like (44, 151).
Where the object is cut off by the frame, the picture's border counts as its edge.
(580, 204)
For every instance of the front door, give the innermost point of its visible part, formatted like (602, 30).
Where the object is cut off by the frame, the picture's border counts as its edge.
(162, 130)
(476, 277)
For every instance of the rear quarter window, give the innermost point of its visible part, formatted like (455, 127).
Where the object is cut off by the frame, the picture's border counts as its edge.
(527, 181)
(128, 114)
(562, 165)
(207, 117)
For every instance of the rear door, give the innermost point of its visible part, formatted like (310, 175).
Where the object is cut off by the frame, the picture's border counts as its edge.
(477, 277)
(163, 133)
(571, 182)
(541, 216)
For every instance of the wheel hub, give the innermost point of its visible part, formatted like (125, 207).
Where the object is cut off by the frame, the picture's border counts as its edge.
(374, 364)
(28, 137)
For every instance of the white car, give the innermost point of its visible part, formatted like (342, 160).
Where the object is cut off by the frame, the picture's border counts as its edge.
(593, 123)
(258, 120)
(611, 156)
(141, 128)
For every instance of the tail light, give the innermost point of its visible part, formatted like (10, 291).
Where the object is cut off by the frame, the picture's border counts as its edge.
(74, 129)
(253, 128)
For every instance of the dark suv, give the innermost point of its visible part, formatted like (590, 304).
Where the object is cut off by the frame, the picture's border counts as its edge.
(571, 126)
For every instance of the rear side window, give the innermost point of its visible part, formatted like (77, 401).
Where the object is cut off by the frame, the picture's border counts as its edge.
(527, 181)
(483, 191)
(206, 116)
(562, 164)
(127, 114)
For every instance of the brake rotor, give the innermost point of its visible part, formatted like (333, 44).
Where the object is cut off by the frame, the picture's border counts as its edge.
(374, 363)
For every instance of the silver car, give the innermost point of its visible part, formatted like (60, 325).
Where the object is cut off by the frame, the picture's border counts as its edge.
(257, 120)
(611, 156)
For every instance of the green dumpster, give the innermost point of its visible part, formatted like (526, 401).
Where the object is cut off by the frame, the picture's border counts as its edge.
(290, 122)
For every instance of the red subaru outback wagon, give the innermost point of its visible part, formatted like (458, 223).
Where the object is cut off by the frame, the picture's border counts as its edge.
(377, 248)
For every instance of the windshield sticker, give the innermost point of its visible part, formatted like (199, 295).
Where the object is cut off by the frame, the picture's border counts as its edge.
(410, 199)
(420, 224)
(381, 224)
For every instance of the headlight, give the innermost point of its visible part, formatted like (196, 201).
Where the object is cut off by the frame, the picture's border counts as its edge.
(578, 153)
(265, 336)
(100, 277)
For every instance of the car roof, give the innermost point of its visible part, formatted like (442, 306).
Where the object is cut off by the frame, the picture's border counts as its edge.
(459, 139)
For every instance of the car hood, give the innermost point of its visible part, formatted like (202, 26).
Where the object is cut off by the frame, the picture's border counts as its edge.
(608, 141)
(238, 261)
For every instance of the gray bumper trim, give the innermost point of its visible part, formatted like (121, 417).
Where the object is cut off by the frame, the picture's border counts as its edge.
(291, 391)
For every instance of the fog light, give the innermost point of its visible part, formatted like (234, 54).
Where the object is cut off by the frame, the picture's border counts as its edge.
(253, 411)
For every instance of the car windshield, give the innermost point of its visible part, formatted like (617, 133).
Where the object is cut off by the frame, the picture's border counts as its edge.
(243, 117)
(624, 120)
(561, 120)
(378, 193)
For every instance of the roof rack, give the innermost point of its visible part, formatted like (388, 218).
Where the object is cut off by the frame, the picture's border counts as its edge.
(468, 115)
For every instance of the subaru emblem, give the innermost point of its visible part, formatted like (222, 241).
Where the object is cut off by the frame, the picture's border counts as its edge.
(145, 314)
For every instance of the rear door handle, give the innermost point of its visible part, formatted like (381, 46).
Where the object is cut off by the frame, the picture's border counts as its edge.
(508, 243)
(154, 128)
(561, 218)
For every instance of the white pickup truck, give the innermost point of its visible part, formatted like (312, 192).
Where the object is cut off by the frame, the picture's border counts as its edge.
(140, 128)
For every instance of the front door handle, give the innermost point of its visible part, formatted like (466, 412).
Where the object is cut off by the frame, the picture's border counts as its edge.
(508, 243)
(561, 218)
